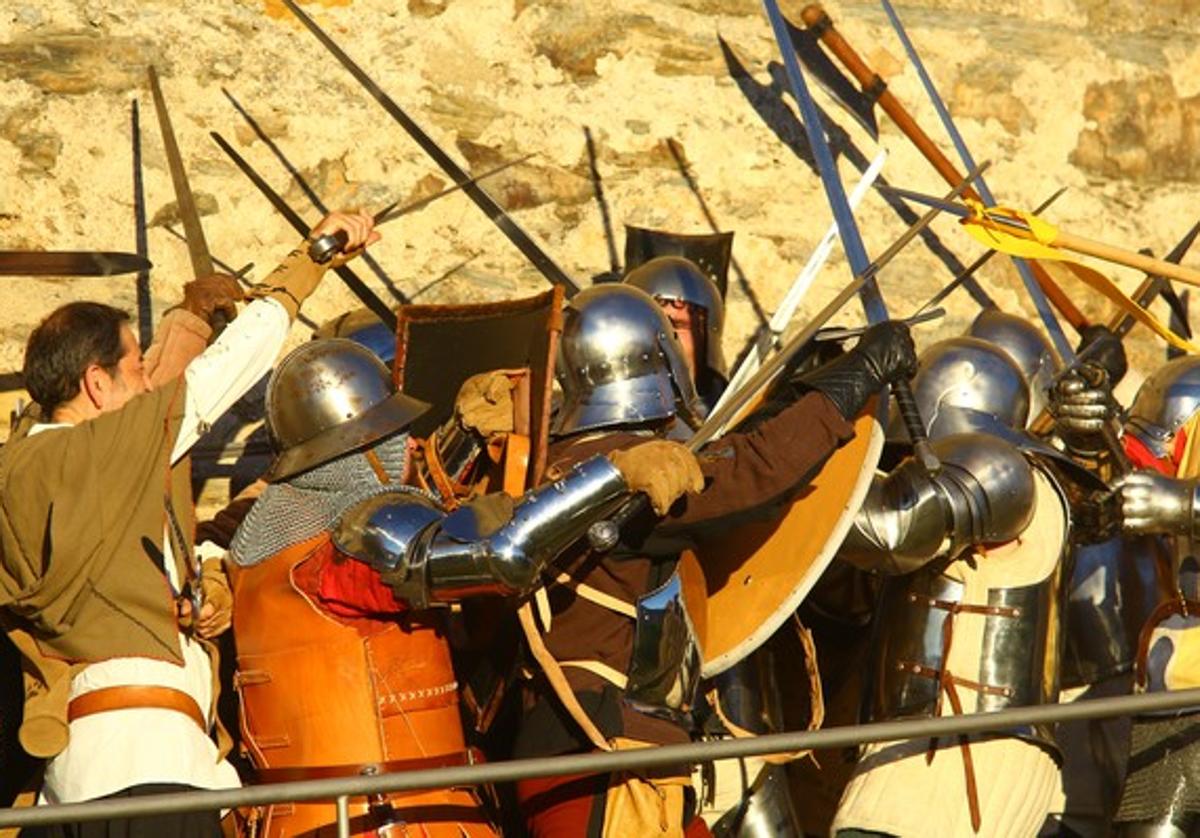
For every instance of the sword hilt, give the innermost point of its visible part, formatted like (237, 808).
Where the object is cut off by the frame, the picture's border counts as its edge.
(906, 404)
(323, 248)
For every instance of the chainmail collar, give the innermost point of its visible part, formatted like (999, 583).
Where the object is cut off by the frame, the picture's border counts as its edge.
(294, 510)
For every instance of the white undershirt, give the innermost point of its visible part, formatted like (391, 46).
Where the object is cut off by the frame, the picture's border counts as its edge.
(111, 751)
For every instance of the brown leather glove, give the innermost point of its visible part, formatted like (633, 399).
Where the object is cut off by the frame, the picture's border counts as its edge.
(211, 294)
(216, 613)
(662, 469)
(485, 403)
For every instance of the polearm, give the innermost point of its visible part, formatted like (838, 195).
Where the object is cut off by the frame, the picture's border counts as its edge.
(1024, 270)
(768, 337)
(352, 280)
(523, 242)
(816, 19)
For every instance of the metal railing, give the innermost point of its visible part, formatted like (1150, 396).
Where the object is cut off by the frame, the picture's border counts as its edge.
(341, 789)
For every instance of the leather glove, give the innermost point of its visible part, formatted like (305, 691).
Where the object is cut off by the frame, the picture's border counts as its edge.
(485, 403)
(662, 469)
(211, 294)
(1082, 405)
(1104, 349)
(884, 354)
(1155, 503)
(216, 612)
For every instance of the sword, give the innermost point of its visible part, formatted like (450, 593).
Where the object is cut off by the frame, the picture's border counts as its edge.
(70, 263)
(359, 288)
(839, 334)
(327, 246)
(189, 216)
(856, 252)
(202, 266)
(535, 254)
(145, 310)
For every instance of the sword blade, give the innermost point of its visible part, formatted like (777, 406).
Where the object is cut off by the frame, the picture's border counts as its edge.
(530, 249)
(145, 308)
(393, 210)
(359, 288)
(70, 263)
(189, 216)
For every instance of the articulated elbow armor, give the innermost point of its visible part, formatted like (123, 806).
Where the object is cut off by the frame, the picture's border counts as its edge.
(983, 494)
(432, 558)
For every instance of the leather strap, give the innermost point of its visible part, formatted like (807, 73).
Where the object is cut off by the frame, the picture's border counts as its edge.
(558, 679)
(1168, 608)
(600, 670)
(129, 698)
(395, 766)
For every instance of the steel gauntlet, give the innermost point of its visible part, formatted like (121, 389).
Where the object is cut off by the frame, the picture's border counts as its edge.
(1155, 503)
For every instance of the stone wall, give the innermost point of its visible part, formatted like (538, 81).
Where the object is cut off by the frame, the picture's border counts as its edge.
(1097, 97)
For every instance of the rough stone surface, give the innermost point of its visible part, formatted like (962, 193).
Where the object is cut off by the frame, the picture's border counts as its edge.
(685, 101)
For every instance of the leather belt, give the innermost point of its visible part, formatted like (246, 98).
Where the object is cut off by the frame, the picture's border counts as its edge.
(324, 772)
(129, 698)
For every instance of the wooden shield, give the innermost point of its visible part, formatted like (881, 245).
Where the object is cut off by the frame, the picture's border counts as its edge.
(438, 347)
(756, 575)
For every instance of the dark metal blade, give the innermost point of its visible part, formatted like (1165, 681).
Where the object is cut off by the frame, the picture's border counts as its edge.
(530, 249)
(393, 211)
(189, 216)
(359, 288)
(833, 81)
(952, 207)
(70, 263)
(145, 308)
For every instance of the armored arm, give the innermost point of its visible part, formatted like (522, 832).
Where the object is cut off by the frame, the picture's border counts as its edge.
(984, 493)
(495, 546)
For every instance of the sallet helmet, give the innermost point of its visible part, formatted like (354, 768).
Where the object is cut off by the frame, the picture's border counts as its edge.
(966, 384)
(680, 280)
(327, 398)
(1164, 403)
(1026, 345)
(619, 362)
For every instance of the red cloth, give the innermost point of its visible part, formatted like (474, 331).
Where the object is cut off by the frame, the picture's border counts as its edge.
(346, 587)
(1142, 457)
(574, 805)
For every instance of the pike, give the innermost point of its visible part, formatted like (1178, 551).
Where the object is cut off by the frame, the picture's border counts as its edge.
(1154, 284)
(816, 19)
(352, 280)
(1032, 286)
(523, 242)
(326, 247)
(70, 263)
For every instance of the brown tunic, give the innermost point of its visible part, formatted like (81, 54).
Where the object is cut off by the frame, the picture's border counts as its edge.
(747, 474)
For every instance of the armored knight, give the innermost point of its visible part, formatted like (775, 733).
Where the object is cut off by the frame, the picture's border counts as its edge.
(974, 555)
(343, 667)
(616, 646)
(694, 305)
(1161, 793)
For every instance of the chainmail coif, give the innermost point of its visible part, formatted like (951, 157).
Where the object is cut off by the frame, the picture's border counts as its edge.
(296, 509)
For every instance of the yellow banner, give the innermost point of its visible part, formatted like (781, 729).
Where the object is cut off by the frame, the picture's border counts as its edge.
(1038, 244)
